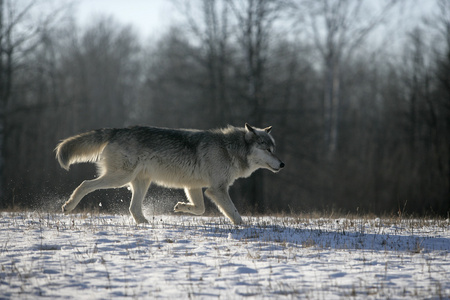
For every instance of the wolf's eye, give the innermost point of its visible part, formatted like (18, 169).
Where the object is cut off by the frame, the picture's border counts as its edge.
(270, 150)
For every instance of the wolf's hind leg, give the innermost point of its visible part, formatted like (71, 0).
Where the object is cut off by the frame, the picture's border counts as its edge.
(106, 181)
(223, 201)
(139, 188)
(196, 205)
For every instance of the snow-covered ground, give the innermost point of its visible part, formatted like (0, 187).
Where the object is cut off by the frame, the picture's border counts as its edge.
(84, 256)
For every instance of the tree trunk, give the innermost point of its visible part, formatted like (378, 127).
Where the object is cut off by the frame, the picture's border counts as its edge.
(331, 106)
(2, 105)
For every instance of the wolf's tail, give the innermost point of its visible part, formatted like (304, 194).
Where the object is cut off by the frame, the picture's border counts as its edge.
(85, 147)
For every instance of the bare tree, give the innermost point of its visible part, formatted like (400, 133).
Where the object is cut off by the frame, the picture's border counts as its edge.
(255, 20)
(174, 82)
(8, 47)
(338, 29)
(441, 23)
(20, 35)
(212, 30)
(254, 28)
(234, 41)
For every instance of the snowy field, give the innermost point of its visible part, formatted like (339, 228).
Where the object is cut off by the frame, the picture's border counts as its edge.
(84, 256)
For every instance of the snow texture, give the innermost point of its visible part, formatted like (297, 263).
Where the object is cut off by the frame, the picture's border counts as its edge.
(88, 256)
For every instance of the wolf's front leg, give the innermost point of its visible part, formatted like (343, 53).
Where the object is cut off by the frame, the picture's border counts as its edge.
(223, 201)
(196, 205)
(139, 187)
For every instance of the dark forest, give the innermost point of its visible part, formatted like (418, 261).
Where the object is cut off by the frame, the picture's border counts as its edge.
(360, 109)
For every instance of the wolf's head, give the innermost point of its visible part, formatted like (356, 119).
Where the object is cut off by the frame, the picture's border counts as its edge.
(262, 151)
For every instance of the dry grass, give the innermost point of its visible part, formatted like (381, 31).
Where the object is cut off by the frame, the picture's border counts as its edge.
(108, 256)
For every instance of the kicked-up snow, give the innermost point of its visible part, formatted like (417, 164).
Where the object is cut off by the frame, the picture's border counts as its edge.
(85, 256)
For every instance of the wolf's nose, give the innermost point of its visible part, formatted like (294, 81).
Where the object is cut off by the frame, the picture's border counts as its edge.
(282, 165)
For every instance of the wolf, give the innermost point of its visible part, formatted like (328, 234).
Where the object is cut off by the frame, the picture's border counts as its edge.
(175, 158)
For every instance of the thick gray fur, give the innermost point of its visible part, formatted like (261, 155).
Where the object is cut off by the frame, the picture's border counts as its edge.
(177, 158)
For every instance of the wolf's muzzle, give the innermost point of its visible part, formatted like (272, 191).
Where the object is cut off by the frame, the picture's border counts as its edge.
(276, 170)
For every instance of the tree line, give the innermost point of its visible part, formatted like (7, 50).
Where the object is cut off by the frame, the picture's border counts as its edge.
(362, 126)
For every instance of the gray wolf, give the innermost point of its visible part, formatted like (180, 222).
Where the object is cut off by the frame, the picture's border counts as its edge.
(176, 158)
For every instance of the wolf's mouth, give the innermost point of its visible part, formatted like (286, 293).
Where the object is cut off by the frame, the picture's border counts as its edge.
(274, 169)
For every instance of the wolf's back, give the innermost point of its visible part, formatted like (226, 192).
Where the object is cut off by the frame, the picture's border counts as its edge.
(85, 147)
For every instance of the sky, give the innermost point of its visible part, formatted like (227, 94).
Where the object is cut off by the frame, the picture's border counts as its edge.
(149, 17)
(152, 17)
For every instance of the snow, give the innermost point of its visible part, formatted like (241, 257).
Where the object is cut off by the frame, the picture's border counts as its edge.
(93, 256)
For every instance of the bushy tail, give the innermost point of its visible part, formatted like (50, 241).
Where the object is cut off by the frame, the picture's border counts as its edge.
(85, 147)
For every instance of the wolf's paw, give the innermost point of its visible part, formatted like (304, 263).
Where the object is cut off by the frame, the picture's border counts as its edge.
(66, 208)
(235, 218)
(140, 220)
(181, 207)
(237, 221)
(189, 208)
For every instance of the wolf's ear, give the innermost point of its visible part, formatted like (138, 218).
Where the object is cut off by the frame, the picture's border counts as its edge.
(249, 128)
(268, 129)
(249, 133)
